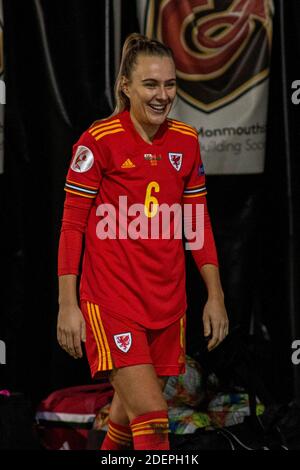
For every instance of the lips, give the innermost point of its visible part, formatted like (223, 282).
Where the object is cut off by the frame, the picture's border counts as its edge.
(158, 108)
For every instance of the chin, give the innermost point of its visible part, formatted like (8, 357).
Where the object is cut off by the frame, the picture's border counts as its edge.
(158, 119)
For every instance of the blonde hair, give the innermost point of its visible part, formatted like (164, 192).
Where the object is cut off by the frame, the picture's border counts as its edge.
(134, 45)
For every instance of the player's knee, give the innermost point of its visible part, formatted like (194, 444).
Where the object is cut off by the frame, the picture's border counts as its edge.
(145, 407)
(116, 404)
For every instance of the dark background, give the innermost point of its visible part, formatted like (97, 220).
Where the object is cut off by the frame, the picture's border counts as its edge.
(55, 81)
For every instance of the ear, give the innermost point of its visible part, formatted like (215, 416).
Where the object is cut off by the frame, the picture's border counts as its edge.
(124, 86)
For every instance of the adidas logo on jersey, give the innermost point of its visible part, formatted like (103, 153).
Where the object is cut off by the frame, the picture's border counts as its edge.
(128, 164)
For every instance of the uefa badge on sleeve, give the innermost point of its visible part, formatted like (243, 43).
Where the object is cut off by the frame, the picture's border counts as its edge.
(123, 341)
(83, 159)
(176, 160)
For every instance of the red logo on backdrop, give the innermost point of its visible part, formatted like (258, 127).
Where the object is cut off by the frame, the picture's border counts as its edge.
(221, 47)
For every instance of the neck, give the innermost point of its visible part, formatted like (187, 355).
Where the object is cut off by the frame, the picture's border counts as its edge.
(146, 132)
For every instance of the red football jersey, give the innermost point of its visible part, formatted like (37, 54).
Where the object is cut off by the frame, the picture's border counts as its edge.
(139, 278)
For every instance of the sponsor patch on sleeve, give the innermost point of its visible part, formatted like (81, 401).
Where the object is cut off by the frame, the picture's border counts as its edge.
(201, 171)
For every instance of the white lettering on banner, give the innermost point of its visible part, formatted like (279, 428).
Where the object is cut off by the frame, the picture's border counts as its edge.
(222, 55)
(230, 141)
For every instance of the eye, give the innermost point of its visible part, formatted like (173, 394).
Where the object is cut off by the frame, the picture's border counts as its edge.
(171, 85)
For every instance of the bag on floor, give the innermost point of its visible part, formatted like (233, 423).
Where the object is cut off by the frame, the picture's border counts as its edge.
(65, 417)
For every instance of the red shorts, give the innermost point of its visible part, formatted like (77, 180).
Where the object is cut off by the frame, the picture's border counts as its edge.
(113, 342)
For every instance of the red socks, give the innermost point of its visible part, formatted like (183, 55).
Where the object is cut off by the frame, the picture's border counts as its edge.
(150, 431)
(118, 437)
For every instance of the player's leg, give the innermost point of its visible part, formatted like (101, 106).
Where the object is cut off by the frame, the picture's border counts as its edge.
(119, 435)
(108, 347)
(117, 411)
(140, 392)
(167, 348)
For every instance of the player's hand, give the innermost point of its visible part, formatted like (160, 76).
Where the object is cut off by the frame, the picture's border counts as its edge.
(215, 321)
(71, 329)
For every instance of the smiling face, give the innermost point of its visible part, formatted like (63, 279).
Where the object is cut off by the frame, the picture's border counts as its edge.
(151, 90)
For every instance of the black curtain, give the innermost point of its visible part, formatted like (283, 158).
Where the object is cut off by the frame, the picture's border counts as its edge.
(250, 216)
(55, 63)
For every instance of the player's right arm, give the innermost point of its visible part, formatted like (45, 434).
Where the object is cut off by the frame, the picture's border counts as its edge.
(70, 322)
(82, 184)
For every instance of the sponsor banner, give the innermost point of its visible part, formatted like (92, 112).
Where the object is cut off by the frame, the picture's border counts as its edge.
(222, 53)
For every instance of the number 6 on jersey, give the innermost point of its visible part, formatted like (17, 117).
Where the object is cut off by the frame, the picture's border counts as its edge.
(151, 210)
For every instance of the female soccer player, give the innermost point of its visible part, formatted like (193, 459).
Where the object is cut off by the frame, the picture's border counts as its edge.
(129, 174)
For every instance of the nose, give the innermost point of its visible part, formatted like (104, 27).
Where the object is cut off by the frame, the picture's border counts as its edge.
(162, 93)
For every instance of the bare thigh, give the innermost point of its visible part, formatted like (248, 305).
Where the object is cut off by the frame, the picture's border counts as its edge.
(139, 389)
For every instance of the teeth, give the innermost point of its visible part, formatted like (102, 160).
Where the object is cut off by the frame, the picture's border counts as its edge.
(157, 107)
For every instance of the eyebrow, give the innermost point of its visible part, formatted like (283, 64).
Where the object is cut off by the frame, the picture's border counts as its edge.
(154, 80)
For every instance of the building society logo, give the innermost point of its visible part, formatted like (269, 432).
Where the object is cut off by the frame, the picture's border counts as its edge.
(123, 341)
(215, 44)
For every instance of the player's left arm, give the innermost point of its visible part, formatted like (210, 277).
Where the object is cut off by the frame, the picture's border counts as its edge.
(215, 319)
